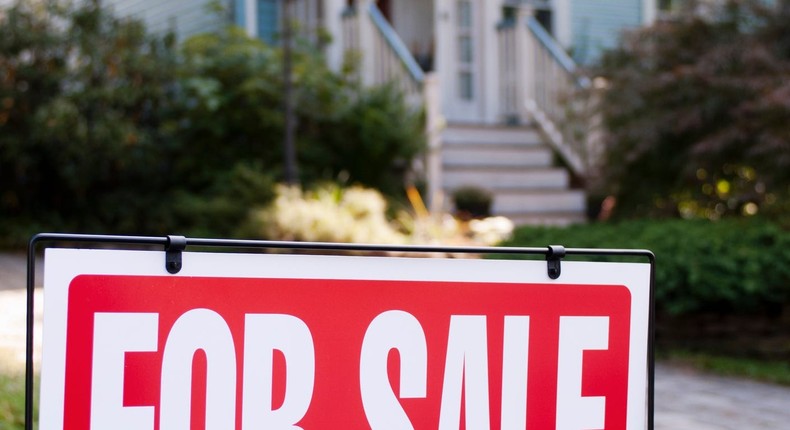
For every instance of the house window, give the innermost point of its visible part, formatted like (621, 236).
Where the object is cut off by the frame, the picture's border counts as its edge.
(465, 87)
(464, 14)
(466, 54)
(465, 49)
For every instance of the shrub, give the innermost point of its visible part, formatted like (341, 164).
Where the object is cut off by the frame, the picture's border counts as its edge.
(696, 112)
(326, 214)
(472, 201)
(233, 89)
(728, 266)
(107, 129)
(83, 97)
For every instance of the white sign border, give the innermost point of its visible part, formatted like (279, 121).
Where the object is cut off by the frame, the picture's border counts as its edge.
(63, 265)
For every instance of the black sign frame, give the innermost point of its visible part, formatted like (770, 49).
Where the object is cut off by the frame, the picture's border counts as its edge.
(174, 245)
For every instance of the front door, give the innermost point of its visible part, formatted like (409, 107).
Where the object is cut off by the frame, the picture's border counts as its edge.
(464, 89)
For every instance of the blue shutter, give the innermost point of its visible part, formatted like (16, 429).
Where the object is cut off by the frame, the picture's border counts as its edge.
(239, 13)
(268, 19)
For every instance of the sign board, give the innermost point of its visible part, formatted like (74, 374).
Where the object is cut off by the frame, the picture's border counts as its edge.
(255, 341)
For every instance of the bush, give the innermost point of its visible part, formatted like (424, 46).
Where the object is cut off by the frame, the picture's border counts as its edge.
(83, 101)
(729, 266)
(326, 214)
(696, 113)
(472, 202)
(234, 92)
(107, 129)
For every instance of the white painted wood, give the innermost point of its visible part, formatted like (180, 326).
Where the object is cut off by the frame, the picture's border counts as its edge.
(539, 202)
(482, 134)
(456, 107)
(251, 17)
(333, 24)
(517, 167)
(561, 21)
(495, 156)
(506, 178)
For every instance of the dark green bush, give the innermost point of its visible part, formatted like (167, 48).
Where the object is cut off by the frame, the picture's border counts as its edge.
(727, 266)
(105, 128)
(472, 201)
(233, 85)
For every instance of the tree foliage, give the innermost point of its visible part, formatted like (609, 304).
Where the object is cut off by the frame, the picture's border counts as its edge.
(82, 100)
(233, 87)
(106, 128)
(697, 111)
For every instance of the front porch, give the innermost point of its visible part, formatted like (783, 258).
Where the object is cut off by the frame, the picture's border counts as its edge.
(500, 98)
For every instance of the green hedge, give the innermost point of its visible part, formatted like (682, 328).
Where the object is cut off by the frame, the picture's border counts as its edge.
(728, 266)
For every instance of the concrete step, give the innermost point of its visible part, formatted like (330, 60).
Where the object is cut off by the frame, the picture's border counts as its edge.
(508, 202)
(461, 135)
(516, 166)
(506, 178)
(495, 156)
(562, 219)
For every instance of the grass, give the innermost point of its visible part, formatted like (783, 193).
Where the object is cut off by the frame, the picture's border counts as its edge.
(12, 399)
(12, 393)
(776, 372)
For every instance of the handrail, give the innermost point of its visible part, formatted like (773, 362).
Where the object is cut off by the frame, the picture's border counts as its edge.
(395, 43)
(556, 51)
(541, 82)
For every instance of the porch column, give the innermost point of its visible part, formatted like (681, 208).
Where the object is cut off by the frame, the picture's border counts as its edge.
(332, 22)
(434, 124)
(367, 47)
(525, 60)
(489, 68)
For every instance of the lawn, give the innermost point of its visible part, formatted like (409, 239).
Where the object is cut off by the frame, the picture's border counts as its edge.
(12, 396)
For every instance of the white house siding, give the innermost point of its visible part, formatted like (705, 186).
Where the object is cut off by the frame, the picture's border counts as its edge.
(597, 25)
(184, 17)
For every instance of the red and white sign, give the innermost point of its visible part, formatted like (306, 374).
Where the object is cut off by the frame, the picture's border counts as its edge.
(247, 341)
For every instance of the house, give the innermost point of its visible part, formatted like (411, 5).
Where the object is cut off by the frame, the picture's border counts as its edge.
(494, 76)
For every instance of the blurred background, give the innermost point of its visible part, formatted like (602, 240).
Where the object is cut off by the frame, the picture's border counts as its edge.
(653, 124)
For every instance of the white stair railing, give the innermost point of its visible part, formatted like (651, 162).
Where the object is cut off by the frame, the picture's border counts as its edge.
(385, 60)
(384, 57)
(540, 82)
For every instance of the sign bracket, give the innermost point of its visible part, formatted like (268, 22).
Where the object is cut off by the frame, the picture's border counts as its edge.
(173, 249)
(553, 258)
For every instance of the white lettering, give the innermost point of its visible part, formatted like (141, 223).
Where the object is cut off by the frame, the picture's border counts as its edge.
(113, 335)
(263, 333)
(466, 371)
(515, 356)
(392, 330)
(206, 330)
(577, 334)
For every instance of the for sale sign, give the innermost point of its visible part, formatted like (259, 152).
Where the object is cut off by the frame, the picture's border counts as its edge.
(243, 341)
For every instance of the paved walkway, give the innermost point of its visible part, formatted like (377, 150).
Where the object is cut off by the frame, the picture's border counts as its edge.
(689, 400)
(13, 271)
(685, 399)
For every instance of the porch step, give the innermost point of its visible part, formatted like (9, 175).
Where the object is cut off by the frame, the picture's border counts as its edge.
(506, 178)
(492, 135)
(500, 155)
(539, 202)
(547, 219)
(516, 166)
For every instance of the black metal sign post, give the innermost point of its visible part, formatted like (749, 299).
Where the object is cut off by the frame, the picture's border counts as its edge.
(174, 245)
